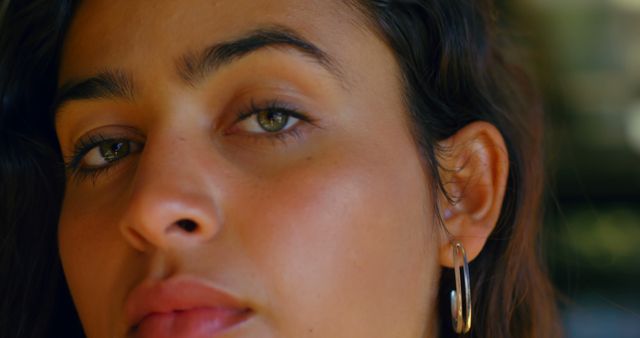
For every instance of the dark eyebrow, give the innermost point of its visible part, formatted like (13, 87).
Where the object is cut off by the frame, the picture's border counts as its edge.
(108, 84)
(194, 68)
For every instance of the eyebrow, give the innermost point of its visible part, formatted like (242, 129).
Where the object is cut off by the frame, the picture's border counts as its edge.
(107, 84)
(193, 68)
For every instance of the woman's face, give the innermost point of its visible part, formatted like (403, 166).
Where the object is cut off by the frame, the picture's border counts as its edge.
(242, 168)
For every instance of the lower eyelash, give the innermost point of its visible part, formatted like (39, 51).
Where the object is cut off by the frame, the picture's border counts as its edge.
(79, 175)
(282, 137)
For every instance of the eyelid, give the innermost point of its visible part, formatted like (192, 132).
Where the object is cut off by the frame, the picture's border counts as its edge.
(114, 131)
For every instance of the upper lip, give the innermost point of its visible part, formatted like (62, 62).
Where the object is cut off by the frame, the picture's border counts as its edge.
(176, 294)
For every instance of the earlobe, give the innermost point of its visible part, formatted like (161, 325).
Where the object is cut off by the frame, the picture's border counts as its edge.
(475, 167)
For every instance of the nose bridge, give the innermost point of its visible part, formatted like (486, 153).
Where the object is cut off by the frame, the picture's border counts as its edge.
(172, 200)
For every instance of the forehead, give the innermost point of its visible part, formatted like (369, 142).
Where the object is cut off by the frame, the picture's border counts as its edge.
(145, 35)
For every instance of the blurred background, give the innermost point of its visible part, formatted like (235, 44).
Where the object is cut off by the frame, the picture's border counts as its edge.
(585, 56)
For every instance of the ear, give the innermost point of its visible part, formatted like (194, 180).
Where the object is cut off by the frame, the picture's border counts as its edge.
(474, 169)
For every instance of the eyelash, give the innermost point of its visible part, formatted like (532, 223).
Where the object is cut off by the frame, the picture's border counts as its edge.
(86, 144)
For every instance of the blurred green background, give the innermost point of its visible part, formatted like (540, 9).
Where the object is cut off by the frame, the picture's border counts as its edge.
(585, 56)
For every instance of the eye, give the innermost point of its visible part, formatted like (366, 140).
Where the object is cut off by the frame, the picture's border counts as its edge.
(96, 153)
(271, 120)
(105, 152)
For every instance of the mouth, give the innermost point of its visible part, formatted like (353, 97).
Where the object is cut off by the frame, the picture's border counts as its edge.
(182, 307)
(193, 323)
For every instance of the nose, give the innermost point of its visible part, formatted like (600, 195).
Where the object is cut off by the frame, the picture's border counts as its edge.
(172, 197)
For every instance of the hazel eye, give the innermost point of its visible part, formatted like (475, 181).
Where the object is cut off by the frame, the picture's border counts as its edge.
(269, 121)
(107, 152)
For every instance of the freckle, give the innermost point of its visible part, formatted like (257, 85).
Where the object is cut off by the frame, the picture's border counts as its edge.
(309, 158)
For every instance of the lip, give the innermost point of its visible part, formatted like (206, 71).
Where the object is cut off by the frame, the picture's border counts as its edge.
(181, 307)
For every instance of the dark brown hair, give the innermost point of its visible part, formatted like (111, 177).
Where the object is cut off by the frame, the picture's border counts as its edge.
(454, 72)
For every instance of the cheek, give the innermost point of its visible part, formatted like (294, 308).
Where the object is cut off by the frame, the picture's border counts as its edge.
(345, 242)
(96, 262)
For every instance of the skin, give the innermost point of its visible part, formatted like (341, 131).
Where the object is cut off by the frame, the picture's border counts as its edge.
(329, 233)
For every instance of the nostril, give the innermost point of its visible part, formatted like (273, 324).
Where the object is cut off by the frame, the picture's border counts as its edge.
(187, 225)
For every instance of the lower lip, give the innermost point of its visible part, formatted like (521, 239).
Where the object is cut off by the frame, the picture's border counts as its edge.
(194, 323)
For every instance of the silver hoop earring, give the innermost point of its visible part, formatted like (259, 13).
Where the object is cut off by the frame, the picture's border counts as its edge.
(461, 324)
